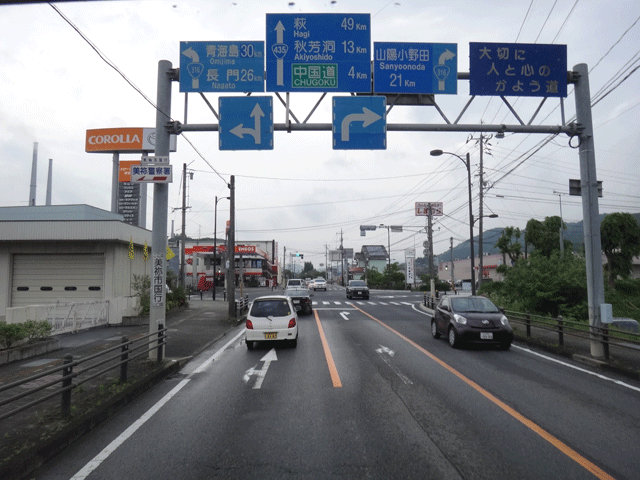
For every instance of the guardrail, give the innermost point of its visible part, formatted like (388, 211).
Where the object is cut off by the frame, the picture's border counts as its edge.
(154, 341)
(609, 337)
(242, 307)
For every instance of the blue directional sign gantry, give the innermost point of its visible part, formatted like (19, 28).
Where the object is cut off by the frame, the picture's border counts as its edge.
(415, 68)
(518, 69)
(222, 66)
(359, 123)
(246, 123)
(316, 52)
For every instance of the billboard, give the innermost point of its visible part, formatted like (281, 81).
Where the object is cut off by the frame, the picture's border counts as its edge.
(127, 139)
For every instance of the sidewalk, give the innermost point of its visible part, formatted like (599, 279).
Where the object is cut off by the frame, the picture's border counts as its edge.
(36, 434)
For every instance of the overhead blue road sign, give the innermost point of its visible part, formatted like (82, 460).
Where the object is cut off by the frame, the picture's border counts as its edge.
(246, 123)
(518, 69)
(415, 67)
(222, 66)
(359, 123)
(318, 52)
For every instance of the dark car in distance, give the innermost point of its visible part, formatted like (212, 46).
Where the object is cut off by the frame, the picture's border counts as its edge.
(357, 288)
(300, 297)
(471, 319)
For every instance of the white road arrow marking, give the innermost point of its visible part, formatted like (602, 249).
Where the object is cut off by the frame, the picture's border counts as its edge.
(385, 350)
(267, 359)
(255, 132)
(344, 315)
(367, 117)
(280, 60)
(381, 351)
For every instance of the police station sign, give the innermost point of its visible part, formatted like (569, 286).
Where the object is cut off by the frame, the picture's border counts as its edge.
(517, 69)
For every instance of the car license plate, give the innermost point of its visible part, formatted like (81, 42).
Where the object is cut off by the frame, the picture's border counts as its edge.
(270, 336)
(296, 302)
(486, 336)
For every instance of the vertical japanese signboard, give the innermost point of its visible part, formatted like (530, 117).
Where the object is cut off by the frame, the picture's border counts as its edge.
(318, 52)
(518, 69)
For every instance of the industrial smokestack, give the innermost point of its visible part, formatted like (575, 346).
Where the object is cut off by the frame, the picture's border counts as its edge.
(34, 171)
(48, 200)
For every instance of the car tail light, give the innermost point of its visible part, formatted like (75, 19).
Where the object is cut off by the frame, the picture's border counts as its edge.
(249, 325)
(292, 323)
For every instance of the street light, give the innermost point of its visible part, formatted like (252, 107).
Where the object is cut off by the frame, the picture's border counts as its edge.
(467, 162)
(215, 242)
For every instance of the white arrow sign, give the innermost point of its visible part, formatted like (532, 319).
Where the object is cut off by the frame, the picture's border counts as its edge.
(367, 117)
(239, 130)
(385, 350)
(267, 359)
(344, 315)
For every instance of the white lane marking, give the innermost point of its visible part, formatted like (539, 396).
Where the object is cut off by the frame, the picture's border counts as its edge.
(109, 449)
(267, 359)
(394, 303)
(565, 364)
(382, 303)
(325, 303)
(344, 315)
(337, 303)
(415, 307)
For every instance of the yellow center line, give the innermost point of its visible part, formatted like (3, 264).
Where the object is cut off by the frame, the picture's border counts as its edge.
(333, 371)
(564, 448)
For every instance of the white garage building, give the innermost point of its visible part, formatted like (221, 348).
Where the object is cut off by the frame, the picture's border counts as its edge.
(69, 264)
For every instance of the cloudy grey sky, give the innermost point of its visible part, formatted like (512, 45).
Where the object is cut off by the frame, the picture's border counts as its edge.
(54, 86)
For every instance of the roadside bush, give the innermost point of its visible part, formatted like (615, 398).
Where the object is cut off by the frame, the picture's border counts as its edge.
(37, 330)
(177, 298)
(141, 285)
(11, 333)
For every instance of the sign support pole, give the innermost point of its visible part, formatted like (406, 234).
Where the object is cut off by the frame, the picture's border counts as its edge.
(590, 214)
(157, 313)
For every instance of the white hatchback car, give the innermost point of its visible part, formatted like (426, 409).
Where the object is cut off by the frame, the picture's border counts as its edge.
(272, 318)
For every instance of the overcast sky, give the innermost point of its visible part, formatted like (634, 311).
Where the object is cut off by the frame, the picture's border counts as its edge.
(305, 195)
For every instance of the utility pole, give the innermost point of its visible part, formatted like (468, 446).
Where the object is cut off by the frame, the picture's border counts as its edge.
(231, 247)
(561, 232)
(453, 282)
(183, 236)
(341, 259)
(430, 234)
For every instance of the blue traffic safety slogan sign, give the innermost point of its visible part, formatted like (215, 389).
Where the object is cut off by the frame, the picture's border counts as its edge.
(415, 68)
(222, 66)
(246, 123)
(318, 52)
(359, 123)
(518, 69)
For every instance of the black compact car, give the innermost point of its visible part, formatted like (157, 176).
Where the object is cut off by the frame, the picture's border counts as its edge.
(357, 288)
(300, 297)
(471, 319)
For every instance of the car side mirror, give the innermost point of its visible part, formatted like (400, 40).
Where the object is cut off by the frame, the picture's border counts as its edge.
(445, 308)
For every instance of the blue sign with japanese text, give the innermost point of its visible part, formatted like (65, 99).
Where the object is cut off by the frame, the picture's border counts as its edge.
(246, 123)
(318, 52)
(415, 67)
(222, 66)
(518, 69)
(360, 123)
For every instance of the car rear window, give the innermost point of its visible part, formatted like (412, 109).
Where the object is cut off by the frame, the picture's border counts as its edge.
(358, 283)
(270, 308)
(296, 292)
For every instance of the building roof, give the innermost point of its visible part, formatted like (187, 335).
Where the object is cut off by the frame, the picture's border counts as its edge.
(375, 252)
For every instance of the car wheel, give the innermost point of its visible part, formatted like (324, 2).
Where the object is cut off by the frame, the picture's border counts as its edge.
(505, 346)
(453, 338)
(366, 298)
(434, 330)
(294, 342)
(249, 345)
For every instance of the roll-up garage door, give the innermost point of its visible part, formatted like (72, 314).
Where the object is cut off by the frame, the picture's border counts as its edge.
(41, 279)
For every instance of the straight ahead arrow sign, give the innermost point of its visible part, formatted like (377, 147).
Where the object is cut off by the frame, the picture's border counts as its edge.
(267, 359)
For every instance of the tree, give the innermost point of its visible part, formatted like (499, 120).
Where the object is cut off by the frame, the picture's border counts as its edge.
(545, 236)
(393, 276)
(547, 285)
(620, 238)
(509, 245)
(308, 267)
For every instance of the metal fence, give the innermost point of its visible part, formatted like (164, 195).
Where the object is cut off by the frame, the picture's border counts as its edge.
(74, 373)
(610, 337)
(71, 317)
(242, 307)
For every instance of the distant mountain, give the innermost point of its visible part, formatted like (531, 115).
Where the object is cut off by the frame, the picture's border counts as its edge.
(574, 233)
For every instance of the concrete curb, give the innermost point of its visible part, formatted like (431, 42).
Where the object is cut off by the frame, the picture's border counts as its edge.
(29, 350)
